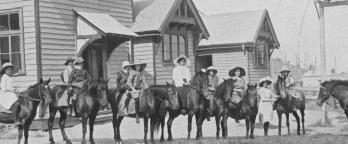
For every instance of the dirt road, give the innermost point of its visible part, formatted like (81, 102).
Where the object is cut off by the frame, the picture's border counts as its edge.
(133, 133)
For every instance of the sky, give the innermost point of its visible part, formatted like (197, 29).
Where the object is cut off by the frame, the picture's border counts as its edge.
(297, 27)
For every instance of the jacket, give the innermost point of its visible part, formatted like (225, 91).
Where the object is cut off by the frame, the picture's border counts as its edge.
(79, 75)
(213, 82)
(137, 80)
(121, 78)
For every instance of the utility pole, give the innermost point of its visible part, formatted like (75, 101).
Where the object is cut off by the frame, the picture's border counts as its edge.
(322, 5)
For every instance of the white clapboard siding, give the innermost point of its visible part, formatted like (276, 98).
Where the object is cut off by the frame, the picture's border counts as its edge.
(58, 35)
(224, 62)
(29, 43)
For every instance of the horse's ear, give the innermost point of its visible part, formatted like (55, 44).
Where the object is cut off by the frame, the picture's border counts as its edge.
(48, 81)
(41, 81)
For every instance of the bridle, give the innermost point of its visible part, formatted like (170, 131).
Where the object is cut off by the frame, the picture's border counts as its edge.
(33, 99)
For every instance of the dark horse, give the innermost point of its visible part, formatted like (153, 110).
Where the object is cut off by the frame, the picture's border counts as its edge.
(88, 104)
(153, 109)
(287, 104)
(29, 100)
(336, 88)
(194, 96)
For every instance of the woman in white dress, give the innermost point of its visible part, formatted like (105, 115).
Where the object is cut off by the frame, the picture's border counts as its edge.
(7, 92)
(266, 102)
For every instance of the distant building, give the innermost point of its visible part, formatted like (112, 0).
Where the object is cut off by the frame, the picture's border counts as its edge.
(277, 64)
(312, 78)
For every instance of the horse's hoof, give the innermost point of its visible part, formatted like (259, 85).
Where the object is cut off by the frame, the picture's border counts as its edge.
(170, 139)
(68, 142)
(161, 140)
(52, 142)
(251, 137)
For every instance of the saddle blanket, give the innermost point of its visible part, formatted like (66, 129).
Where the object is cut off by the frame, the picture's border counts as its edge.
(63, 101)
(129, 109)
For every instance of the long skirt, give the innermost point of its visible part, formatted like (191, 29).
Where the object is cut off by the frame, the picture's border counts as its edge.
(7, 99)
(266, 110)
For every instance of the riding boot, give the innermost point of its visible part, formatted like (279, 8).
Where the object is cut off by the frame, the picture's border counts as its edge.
(74, 103)
(137, 111)
(265, 128)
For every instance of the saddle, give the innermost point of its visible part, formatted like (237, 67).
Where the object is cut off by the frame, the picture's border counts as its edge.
(131, 102)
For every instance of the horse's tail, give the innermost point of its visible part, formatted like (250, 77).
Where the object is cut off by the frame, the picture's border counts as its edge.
(157, 120)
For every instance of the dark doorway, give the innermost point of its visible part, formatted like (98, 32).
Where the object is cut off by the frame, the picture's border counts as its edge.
(203, 62)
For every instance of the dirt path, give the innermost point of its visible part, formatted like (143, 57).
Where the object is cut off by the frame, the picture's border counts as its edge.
(133, 133)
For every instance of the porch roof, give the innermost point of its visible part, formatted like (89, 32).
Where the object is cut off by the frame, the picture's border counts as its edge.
(105, 23)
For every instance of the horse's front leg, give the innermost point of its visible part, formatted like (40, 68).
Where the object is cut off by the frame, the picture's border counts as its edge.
(247, 126)
(279, 123)
(146, 126)
(63, 116)
(84, 130)
(303, 120)
(50, 123)
(162, 129)
(26, 132)
(217, 123)
(287, 123)
(189, 125)
(169, 126)
(224, 125)
(152, 128)
(118, 124)
(91, 129)
(298, 122)
(20, 134)
(252, 126)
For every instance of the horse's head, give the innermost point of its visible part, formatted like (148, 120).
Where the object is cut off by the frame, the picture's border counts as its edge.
(229, 86)
(43, 91)
(172, 96)
(280, 87)
(323, 93)
(101, 87)
(252, 94)
(200, 81)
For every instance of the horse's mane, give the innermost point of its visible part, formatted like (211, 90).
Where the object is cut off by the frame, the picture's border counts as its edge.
(221, 88)
(333, 83)
(195, 80)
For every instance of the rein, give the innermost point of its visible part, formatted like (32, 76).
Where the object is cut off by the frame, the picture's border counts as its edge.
(30, 98)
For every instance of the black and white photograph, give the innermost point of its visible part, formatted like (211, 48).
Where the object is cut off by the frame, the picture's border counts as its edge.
(173, 71)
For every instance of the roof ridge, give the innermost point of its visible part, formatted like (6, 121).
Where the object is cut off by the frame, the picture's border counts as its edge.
(237, 12)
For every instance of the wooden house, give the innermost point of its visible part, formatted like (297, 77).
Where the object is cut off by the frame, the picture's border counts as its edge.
(38, 35)
(246, 39)
(166, 29)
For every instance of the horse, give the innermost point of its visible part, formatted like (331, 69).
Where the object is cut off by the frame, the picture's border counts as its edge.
(220, 107)
(88, 103)
(287, 104)
(154, 97)
(337, 89)
(247, 109)
(28, 101)
(195, 96)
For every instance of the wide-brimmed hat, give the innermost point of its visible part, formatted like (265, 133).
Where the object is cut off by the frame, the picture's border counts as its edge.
(212, 68)
(69, 59)
(143, 65)
(232, 71)
(284, 69)
(125, 64)
(265, 79)
(176, 60)
(78, 60)
(6, 65)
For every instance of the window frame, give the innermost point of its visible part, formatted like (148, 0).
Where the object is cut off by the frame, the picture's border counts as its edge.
(20, 33)
(255, 56)
(171, 55)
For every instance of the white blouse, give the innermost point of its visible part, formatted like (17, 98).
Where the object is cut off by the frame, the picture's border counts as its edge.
(180, 73)
(6, 83)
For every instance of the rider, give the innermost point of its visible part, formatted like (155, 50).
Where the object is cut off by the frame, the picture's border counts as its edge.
(237, 74)
(69, 63)
(289, 81)
(79, 77)
(266, 102)
(137, 82)
(213, 83)
(122, 77)
(8, 94)
(181, 75)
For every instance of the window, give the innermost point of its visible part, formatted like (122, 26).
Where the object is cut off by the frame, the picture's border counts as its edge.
(182, 10)
(260, 56)
(173, 46)
(11, 41)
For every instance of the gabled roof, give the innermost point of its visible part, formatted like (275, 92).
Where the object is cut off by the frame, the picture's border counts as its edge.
(236, 28)
(153, 15)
